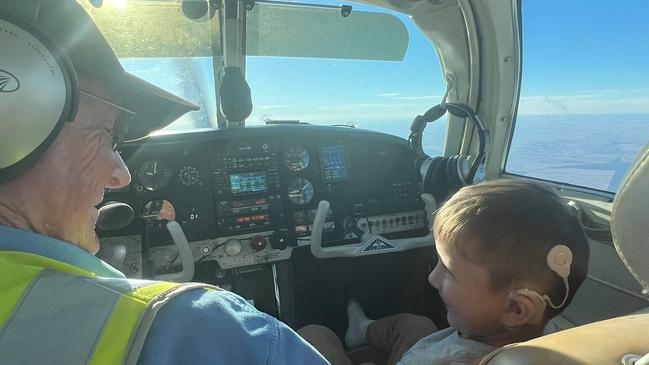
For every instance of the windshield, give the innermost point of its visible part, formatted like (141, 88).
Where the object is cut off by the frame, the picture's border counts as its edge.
(378, 91)
(372, 69)
(158, 42)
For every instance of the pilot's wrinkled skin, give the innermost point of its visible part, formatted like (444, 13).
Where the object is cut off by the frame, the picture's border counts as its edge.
(70, 178)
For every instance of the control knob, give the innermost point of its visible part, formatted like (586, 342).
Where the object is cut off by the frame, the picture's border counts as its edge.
(232, 247)
(279, 239)
(258, 243)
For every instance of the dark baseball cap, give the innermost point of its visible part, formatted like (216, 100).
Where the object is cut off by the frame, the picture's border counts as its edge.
(71, 29)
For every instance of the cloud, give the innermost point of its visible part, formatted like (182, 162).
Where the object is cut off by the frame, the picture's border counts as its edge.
(275, 106)
(342, 113)
(424, 97)
(586, 102)
(400, 96)
(557, 103)
(368, 106)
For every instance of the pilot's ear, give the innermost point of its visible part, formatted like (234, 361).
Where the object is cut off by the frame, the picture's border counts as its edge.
(521, 308)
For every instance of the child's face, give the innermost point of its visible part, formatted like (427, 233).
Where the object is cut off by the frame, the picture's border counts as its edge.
(473, 308)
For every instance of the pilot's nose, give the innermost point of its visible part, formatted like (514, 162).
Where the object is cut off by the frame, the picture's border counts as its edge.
(120, 176)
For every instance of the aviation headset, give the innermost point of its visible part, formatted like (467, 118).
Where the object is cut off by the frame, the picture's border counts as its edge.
(443, 175)
(39, 92)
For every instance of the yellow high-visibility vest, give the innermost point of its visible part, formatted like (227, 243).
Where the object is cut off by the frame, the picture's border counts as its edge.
(55, 313)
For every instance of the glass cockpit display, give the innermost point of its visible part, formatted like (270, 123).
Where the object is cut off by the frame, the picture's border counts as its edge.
(251, 182)
(333, 163)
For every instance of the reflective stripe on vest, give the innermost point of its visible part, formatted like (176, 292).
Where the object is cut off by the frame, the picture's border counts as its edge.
(55, 313)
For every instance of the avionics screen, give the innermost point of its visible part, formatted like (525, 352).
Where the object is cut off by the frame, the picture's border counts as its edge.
(251, 182)
(333, 163)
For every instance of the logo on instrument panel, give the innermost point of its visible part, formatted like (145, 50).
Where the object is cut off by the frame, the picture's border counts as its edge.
(378, 243)
(8, 82)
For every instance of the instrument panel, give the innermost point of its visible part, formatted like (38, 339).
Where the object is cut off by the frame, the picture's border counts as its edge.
(260, 187)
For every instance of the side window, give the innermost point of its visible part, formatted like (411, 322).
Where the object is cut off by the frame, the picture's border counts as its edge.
(583, 113)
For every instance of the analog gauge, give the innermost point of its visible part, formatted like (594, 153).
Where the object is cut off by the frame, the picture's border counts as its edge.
(300, 191)
(159, 209)
(153, 175)
(296, 158)
(189, 176)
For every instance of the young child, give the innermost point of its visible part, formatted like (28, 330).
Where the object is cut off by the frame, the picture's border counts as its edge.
(511, 255)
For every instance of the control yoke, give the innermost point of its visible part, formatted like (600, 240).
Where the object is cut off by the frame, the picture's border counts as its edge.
(185, 252)
(370, 244)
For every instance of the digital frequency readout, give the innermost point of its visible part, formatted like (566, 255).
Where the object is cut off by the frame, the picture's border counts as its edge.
(247, 219)
(251, 182)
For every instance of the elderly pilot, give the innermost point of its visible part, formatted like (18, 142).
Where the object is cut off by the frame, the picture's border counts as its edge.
(65, 104)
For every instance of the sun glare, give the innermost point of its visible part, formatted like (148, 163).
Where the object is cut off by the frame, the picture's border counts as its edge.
(117, 4)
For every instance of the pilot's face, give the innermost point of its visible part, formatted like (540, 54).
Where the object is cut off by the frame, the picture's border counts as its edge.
(473, 308)
(80, 164)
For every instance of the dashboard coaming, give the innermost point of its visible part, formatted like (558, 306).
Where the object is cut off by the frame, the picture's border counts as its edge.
(256, 186)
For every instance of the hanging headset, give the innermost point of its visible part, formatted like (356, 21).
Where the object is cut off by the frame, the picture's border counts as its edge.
(443, 175)
(38, 94)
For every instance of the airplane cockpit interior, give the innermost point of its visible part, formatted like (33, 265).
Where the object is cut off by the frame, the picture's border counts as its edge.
(330, 133)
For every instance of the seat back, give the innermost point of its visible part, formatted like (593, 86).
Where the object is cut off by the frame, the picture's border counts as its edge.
(630, 220)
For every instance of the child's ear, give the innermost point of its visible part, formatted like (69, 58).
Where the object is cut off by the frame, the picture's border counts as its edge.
(521, 309)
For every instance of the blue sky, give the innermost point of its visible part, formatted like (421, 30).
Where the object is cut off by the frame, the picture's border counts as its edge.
(340, 91)
(580, 56)
(589, 57)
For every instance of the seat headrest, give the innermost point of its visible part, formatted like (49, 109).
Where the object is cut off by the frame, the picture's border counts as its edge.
(604, 342)
(629, 222)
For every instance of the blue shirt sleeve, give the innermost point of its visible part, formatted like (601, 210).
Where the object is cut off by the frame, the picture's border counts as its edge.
(219, 327)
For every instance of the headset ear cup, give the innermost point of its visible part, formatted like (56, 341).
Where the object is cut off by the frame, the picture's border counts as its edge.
(436, 179)
(428, 179)
(45, 77)
(442, 177)
(453, 180)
